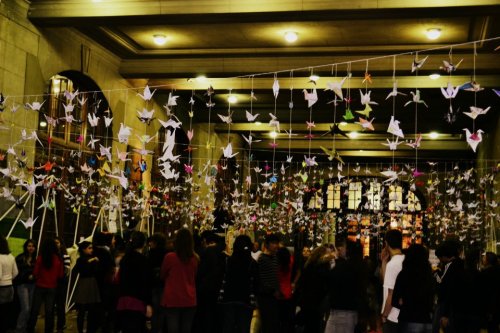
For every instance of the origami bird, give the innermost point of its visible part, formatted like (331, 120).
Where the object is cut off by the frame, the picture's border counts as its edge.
(366, 124)
(450, 92)
(394, 128)
(366, 99)
(449, 67)
(145, 115)
(124, 133)
(476, 112)
(366, 111)
(336, 87)
(394, 91)
(473, 139)
(417, 64)
(393, 145)
(147, 94)
(334, 129)
(415, 144)
(251, 117)
(276, 88)
(416, 99)
(310, 97)
(332, 154)
(93, 119)
(228, 151)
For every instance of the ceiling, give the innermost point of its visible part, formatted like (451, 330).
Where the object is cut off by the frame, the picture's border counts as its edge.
(233, 42)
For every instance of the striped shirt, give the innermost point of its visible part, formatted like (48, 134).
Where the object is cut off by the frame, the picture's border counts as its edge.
(268, 274)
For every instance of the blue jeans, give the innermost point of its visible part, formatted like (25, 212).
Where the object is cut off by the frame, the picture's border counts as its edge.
(416, 327)
(341, 321)
(25, 293)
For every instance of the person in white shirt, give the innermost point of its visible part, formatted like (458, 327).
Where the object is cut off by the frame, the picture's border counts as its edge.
(8, 271)
(392, 263)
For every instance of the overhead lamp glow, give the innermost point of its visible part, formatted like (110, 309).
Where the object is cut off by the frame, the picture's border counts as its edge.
(201, 78)
(160, 39)
(43, 123)
(314, 78)
(291, 36)
(258, 123)
(273, 134)
(353, 135)
(232, 99)
(434, 76)
(433, 33)
(434, 135)
(342, 123)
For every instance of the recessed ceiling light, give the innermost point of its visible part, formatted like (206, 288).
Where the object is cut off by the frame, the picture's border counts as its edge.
(314, 78)
(43, 124)
(159, 39)
(258, 123)
(201, 78)
(433, 33)
(434, 76)
(291, 36)
(273, 134)
(361, 150)
(433, 135)
(342, 123)
(353, 135)
(232, 99)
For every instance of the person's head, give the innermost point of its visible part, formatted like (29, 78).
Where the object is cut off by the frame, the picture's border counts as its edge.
(61, 247)
(29, 248)
(416, 258)
(394, 239)
(137, 241)
(354, 251)
(184, 245)
(341, 245)
(100, 239)
(208, 238)
(306, 252)
(157, 241)
(489, 259)
(47, 251)
(317, 255)
(85, 248)
(284, 257)
(4, 245)
(117, 242)
(242, 245)
(256, 246)
(272, 243)
(447, 251)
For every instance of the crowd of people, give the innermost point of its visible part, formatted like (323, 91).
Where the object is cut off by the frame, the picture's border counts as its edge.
(201, 284)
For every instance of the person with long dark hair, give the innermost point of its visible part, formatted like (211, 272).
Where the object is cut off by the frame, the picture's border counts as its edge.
(178, 270)
(135, 281)
(238, 291)
(285, 304)
(311, 291)
(25, 283)
(157, 251)
(414, 292)
(87, 295)
(8, 271)
(62, 285)
(49, 269)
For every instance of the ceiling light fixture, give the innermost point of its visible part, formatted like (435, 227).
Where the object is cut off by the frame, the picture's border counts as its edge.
(434, 76)
(201, 78)
(433, 33)
(273, 134)
(232, 99)
(434, 135)
(43, 124)
(159, 39)
(258, 123)
(314, 77)
(353, 135)
(291, 36)
(342, 123)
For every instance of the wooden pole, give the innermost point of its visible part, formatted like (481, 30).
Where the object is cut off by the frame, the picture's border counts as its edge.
(13, 206)
(17, 219)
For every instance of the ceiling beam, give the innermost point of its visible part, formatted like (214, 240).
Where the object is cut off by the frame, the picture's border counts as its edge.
(265, 83)
(121, 8)
(361, 145)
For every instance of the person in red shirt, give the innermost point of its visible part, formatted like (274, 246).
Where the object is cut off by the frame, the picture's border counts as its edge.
(48, 270)
(178, 270)
(285, 304)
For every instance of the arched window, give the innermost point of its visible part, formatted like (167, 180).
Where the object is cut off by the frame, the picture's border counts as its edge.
(355, 194)
(373, 195)
(333, 196)
(395, 197)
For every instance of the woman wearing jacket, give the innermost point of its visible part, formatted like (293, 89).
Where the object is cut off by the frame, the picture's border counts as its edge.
(8, 271)
(25, 283)
(178, 270)
(87, 292)
(238, 291)
(48, 270)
